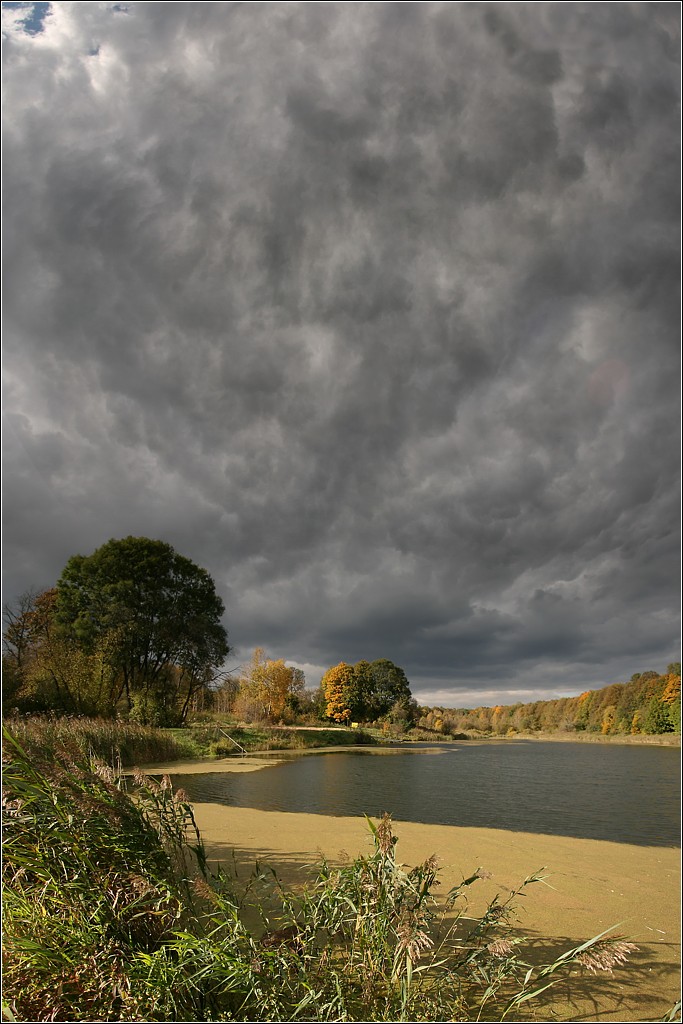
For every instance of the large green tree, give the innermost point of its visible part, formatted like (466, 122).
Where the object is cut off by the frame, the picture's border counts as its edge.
(388, 687)
(164, 612)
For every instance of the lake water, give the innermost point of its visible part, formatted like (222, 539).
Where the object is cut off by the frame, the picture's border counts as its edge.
(626, 794)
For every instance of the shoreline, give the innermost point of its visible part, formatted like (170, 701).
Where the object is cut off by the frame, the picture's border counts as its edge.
(590, 885)
(253, 760)
(666, 739)
(261, 758)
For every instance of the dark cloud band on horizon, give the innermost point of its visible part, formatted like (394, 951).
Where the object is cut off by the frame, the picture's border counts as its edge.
(370, 309)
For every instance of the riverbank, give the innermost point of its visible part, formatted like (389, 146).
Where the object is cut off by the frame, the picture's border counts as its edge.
(128, 744)
(591, 886)
(263, 738)
(225, 739)
(307, 740)
(665, 739)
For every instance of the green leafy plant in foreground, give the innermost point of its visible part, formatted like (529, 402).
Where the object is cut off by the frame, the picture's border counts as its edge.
(111, 914)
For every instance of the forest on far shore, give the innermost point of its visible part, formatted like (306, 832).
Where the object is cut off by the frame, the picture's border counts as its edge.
(134, 632)
(649, 703)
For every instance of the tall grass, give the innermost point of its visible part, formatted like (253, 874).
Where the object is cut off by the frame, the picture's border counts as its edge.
(93, 883)
(111, 914)
(113, 742)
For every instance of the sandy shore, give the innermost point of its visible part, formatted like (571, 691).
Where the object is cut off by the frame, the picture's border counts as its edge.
(594, 885)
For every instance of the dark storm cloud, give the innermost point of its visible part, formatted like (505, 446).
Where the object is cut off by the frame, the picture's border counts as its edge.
(370, 309)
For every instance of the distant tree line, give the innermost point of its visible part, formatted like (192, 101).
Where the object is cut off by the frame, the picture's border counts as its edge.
(134, 630)
(649, 703)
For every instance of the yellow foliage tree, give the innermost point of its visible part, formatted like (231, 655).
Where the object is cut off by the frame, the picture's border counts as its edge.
(265, 685)
(608, 719)
(337, 686)
(672, 690)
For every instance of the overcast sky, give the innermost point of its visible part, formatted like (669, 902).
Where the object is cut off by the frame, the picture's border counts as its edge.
(371, 309)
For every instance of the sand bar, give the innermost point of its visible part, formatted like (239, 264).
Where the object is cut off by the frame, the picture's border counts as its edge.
(235, 764)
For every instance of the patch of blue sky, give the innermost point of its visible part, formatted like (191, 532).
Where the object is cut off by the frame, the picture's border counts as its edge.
(36, 13)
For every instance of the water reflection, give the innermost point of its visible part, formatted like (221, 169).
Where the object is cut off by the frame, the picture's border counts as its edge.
(620, 793)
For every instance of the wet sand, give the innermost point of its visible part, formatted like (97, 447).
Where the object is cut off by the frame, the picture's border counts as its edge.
(594, 885)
